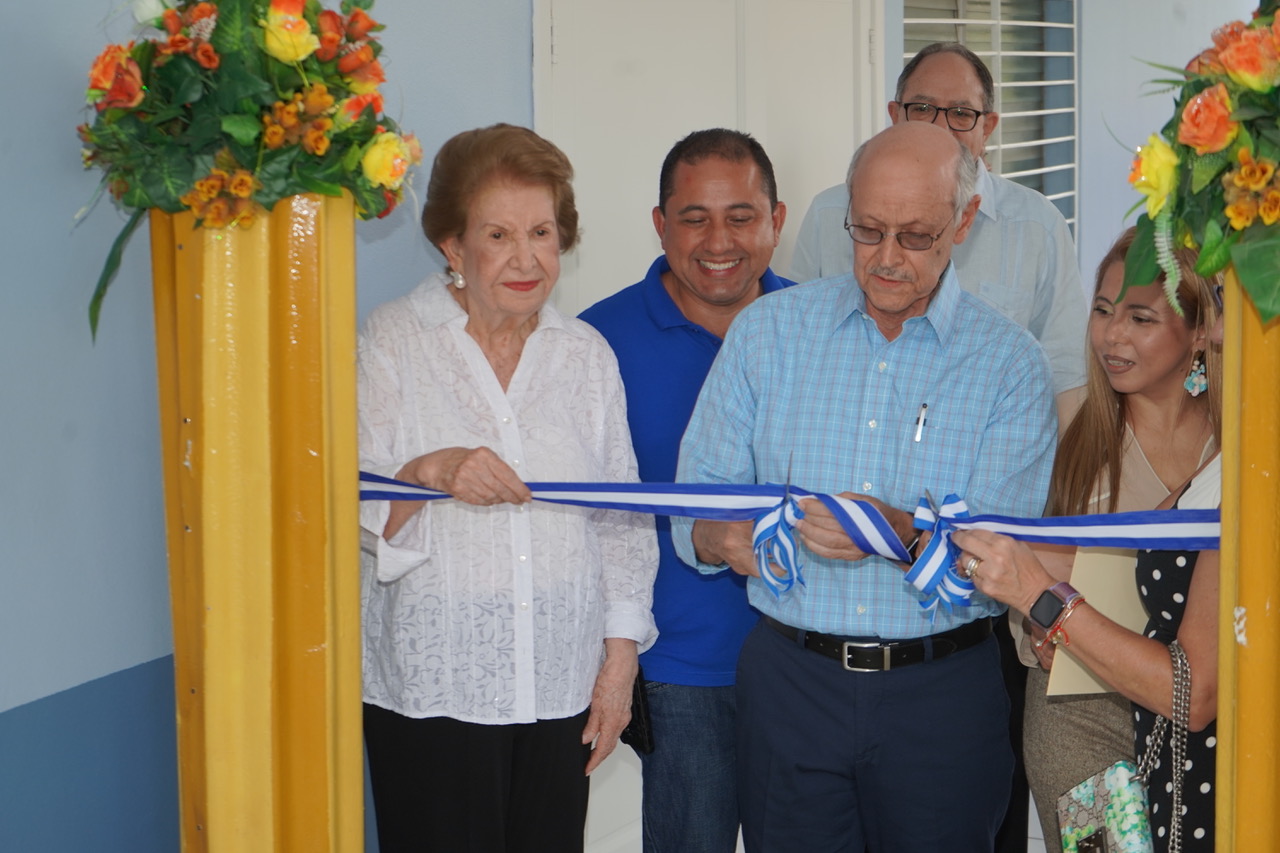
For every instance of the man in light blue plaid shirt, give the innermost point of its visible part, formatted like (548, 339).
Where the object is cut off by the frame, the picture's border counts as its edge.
(864, 720)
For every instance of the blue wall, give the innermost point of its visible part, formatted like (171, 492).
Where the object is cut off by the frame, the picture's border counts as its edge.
(86, 709)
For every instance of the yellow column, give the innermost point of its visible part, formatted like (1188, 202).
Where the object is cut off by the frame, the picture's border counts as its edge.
(256, 349)
(1249, 650)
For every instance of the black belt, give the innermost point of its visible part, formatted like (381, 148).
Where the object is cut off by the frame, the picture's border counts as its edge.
(873, 655)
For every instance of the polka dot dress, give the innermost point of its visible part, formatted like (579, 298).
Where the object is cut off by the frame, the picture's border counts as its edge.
(1163, 580)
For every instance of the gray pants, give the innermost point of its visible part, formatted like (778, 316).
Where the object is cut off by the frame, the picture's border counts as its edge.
(1066, 739)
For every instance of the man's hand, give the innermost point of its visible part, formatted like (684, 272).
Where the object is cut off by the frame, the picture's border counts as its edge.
(822, 534)
(726, 542)
(611, 699)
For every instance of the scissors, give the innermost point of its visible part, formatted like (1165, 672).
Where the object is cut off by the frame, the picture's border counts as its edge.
(786, 489)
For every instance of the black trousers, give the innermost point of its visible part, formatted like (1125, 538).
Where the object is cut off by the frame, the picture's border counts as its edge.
(444, 786)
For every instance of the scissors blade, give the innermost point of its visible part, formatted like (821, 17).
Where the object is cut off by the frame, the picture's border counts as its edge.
(933, 505)
(786, 490)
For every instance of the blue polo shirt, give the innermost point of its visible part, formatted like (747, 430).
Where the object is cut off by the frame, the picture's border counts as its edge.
(664, 358)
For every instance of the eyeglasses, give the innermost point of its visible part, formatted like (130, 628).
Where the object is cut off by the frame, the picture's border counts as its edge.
(914, 241)
(958, 118)
(1217, 296)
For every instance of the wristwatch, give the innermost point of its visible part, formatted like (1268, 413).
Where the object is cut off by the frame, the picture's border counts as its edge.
(1050, 604)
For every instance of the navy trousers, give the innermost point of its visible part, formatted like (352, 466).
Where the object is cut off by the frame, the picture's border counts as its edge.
(914, 760)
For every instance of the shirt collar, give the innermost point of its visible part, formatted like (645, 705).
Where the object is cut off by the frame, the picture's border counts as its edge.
(663, 309)
(986, 188)
(940, 315)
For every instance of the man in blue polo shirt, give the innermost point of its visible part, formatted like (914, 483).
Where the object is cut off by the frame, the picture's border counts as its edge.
(719, 219)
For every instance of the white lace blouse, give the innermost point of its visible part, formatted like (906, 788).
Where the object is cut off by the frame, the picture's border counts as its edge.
(496, 614)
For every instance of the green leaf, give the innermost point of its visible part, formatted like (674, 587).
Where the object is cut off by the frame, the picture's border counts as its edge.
(181, 76)
(1215, 251)
(110, 268)
(1207, 167)
(233, 34)
(314, 185)
(171, 176)
(1254, 256)
(242, 128)
(1140, 265)
(275, 175)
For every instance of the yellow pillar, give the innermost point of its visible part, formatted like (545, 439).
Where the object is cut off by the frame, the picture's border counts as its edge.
(256, 358)
(1249, 616)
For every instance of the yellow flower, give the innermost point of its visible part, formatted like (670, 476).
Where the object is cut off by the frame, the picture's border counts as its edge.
(288, 37)
(1269, 210)
(1155, 173)
(1253, 174)
(242, 183)
(1242, 212)
(386, 161)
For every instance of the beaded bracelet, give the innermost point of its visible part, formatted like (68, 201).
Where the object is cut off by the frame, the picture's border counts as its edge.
(1056, 633)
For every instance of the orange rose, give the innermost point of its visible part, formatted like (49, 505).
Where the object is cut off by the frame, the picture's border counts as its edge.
(217, 213)
(367, 79)
(359, 25)
(242, 183)
(272, 135)
(1253, 174)
(200, 11)
(317, 100)
(207, 56)
(355, 58)
(314, 141)
(1206, 121)
(1269, 210)
(329, 24)
(1206, 62)
(1251, 60)
(126, 89)
(172, 22)
(176, 44)
(1242, 212)
(114, 62)
(352, 108)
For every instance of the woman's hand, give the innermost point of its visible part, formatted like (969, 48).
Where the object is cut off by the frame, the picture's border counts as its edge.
(474, 475)
(1007, 570)
(611, 699)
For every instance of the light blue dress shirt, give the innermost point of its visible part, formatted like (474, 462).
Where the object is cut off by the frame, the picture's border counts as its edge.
(806, 380)
(1019, 258)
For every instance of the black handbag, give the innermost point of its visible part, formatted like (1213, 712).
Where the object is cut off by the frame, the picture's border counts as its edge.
(639, 732)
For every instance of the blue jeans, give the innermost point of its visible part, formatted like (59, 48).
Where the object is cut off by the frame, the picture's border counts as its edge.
(690, 786)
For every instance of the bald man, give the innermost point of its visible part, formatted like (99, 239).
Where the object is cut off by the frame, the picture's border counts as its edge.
(864, 720)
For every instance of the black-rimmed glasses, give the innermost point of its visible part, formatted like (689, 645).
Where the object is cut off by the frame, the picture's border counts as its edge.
(1217, 296)
(959, 119)
(913, 241)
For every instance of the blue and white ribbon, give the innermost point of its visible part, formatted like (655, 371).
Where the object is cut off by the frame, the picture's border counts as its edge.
(775, 512)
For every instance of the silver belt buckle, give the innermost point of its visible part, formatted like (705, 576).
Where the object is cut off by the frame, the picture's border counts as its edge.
(851, 644)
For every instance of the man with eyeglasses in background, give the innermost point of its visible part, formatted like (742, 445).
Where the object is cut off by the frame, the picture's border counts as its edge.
(866, 720)
(1019, 257)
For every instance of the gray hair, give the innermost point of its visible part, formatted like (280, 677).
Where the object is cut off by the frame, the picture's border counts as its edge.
(979, 69)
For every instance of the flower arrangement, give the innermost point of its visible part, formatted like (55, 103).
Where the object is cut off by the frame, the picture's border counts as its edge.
(1210, 176)
(231, 105)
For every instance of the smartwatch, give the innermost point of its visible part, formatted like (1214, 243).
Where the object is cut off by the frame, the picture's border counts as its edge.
(1051, 603)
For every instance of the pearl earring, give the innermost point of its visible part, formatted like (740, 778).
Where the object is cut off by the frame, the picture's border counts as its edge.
(458, 281)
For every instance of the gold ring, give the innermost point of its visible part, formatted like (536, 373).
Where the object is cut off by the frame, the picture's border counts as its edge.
(971, 567)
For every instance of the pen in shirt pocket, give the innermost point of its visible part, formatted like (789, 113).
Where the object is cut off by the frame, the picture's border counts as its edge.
(920, 420)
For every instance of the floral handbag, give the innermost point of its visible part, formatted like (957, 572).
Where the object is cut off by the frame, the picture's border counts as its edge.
(1108, 812)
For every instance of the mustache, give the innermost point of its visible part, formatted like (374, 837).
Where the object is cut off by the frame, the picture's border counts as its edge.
(897, 274)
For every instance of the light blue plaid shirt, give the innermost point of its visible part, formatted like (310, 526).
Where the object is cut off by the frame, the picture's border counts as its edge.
(805, 375)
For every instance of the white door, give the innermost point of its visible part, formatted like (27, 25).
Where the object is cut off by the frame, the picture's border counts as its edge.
(617, 82)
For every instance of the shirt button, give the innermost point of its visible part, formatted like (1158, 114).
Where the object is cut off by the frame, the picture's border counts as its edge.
(524, 605)
(515, 463)
(520, 508)
(861, 609)
(882, 365)
(508, 420)
(871, 424)
(523, 558)
(866, 487)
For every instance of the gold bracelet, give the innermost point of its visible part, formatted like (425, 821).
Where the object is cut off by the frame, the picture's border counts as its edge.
(1058, 634)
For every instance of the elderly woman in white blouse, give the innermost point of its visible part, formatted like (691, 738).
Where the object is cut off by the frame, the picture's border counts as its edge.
(500, 635)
